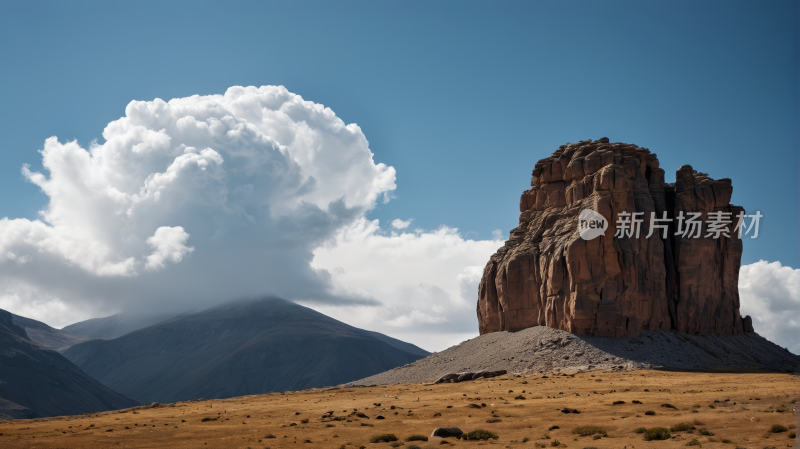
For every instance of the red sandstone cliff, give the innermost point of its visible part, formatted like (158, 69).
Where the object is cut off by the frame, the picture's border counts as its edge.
(547, 275)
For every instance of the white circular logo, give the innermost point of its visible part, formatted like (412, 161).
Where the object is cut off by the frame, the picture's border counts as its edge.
(591, 224)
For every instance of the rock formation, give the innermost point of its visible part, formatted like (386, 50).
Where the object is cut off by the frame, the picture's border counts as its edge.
(546, 274)
(465, 376)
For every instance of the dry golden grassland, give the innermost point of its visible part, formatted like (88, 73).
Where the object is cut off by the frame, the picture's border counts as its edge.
(738, 409)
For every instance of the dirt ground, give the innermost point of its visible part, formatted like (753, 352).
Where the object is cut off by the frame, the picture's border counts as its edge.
(739, 409)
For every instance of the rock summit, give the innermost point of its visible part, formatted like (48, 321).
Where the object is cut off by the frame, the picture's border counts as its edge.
(603, 284)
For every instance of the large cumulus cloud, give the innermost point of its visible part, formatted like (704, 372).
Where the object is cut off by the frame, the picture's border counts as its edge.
(770, 294)
(427, 281)
(190, 202)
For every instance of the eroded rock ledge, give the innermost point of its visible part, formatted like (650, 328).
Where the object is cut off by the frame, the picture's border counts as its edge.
(547, 275)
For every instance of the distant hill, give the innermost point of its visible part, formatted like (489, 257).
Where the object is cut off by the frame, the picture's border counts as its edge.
(399, 344)
(39, 382)
(240, 348)
(47, 336)
(114, 326)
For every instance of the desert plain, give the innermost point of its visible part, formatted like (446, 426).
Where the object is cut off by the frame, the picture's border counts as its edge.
(734, 409)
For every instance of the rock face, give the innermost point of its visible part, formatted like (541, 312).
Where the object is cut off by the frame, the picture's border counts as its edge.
(546, 274)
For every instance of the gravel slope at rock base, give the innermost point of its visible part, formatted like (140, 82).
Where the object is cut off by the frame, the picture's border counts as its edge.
(544, 349)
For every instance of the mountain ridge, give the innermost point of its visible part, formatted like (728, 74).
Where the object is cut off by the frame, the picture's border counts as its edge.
(117, 325)
(40, 382)
(243, 347)
(45, 335)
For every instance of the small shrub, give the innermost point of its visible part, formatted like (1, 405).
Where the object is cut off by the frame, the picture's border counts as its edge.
(726, 441)
(526, 439)
(385, 438)
(396, 444)
(669, 406)
(480, 434)
(304, 421)
(693, 443)
(649, 413)
(597, 437)
(705, 432)
(414, 446)
(793, 435)
(493, 420)
(417, 438)
(681, 427)
(639, 430)
(586, 431)
(657, 433)
(778, 428)
(553, 428)
(555, 443)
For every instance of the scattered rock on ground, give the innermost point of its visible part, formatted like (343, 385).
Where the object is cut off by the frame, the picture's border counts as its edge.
(445, 432)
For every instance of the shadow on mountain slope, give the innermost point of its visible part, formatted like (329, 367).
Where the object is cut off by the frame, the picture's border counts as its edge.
(240, 348)
(40, 382)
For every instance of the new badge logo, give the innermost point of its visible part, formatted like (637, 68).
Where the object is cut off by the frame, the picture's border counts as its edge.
(591, 224)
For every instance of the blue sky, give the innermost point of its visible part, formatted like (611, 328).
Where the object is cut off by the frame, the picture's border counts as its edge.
(461, 98)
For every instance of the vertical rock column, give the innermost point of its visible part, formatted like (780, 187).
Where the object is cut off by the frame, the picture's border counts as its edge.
(547, 275)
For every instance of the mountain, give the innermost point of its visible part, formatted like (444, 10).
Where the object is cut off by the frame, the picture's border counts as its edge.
(111, 327)
(39, 382)
(47, 336)
(240, 348)
(399, 344)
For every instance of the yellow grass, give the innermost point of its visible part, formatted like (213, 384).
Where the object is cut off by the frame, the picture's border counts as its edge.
(245, 422)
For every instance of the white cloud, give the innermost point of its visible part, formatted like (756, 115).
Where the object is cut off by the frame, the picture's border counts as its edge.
(497, 234)
(770, 294)
(426, 281)
(248, 182)
(413, 318)
(169, 245)
(400, 224)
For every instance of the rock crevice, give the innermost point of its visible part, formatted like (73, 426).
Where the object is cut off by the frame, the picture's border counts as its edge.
(546, 274)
